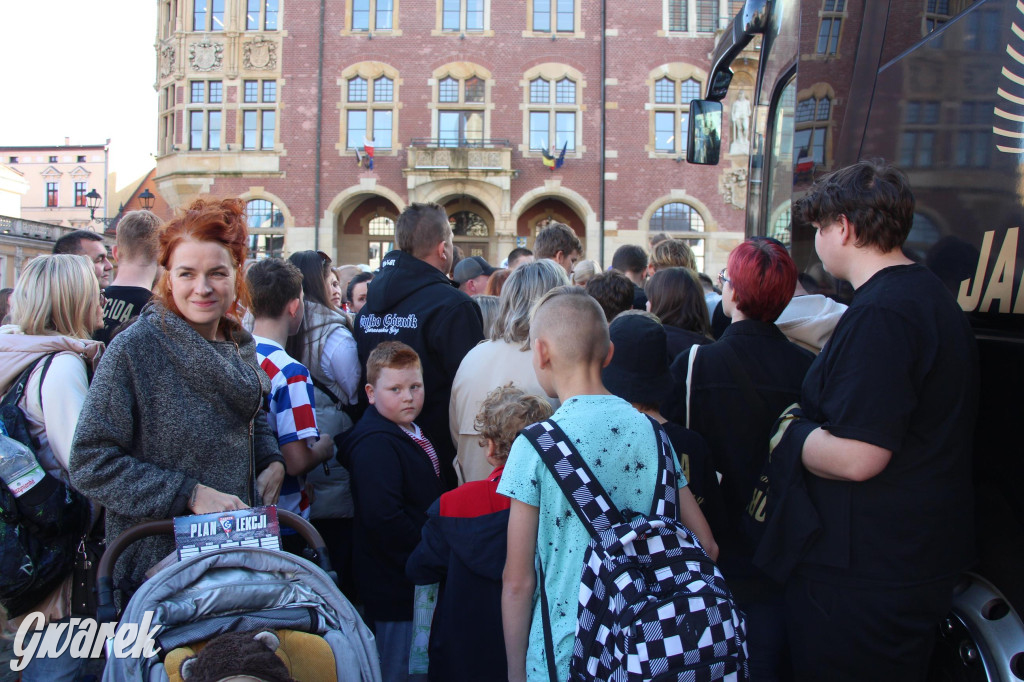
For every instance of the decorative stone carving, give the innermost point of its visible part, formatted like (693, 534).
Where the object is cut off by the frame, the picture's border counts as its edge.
(260, 55)
(167, 60)
(484, 159)
(733, 185)
(206, 56)
(740, 125)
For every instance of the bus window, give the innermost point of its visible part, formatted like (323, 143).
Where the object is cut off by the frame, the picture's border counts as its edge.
(778, 169)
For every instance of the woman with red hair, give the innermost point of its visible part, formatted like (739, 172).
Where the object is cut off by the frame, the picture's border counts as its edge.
(731, 391)
(173, 423)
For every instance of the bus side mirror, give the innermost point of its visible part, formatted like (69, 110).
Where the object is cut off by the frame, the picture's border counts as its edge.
(705, 132)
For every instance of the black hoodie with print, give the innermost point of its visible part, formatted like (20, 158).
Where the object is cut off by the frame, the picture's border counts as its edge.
(413, 302)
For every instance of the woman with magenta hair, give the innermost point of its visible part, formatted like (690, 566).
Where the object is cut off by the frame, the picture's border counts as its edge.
(173, 423)
(738, 386)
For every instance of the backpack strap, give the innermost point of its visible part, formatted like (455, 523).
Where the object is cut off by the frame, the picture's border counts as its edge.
(14, 394)
(549, 645)
(579, 485)
(666, 487)
(689, 381)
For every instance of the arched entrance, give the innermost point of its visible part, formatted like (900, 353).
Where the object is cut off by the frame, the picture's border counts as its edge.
(545, 210)
(366, 226)
(472, 228)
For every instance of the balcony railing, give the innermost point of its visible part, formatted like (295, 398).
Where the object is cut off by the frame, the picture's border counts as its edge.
(31, 229)
(454, 143)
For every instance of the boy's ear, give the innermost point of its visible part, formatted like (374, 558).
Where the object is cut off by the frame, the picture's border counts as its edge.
(113, 252)
(847, 230)
(542, 347)
(293, 307)
(369, 393)
(608, 358)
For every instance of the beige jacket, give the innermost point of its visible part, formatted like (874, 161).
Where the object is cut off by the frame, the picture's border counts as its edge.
(487, 366)
(51, 411)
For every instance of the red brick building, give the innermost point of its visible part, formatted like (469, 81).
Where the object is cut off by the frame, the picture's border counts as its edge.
(459, 97)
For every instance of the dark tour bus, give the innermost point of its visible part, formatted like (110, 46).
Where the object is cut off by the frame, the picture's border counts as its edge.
(937, 88)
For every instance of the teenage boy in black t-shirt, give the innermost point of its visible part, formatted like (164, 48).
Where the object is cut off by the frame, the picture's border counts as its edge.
(135, 254)
(894, 396)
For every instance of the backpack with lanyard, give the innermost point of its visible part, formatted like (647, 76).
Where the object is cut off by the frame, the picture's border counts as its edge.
(652, 604)
(39, 531)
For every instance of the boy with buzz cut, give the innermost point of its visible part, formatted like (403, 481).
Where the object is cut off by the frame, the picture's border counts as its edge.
(275, 286)
(463, 548)
(570, 342)
(396, 476)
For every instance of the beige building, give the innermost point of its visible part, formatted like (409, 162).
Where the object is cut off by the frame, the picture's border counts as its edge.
(13, 186)
(59, 178)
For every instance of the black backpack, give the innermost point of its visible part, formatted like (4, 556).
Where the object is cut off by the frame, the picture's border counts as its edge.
(652, 604)
(39, 531)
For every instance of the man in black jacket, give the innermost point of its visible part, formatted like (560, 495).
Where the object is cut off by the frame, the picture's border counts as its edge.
(413, 301)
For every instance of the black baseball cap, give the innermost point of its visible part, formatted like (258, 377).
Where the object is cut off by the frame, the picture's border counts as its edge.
(472, 267)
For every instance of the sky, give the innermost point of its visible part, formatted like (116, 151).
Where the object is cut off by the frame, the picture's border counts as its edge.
(83, 70)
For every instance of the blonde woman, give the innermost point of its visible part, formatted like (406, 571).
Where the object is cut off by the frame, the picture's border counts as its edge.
(503, 358)
(584, 271)
(672, 253)
(55, 308)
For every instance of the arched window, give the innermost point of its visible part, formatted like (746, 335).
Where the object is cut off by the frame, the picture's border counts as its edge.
(461, 109)
(553, 113)
(262, 213)
(368, 111)
(681, 221)
(812, 124)
(266, 229)
(381, 230)
(782, 228)
(467, 224)
(671, 109)
(677, 217)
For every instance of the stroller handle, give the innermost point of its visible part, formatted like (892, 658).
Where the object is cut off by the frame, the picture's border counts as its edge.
(106, 611)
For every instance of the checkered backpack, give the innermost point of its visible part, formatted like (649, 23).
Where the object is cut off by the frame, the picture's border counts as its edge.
(652, 605)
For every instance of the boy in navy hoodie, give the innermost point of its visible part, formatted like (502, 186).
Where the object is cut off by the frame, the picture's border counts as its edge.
(463, 548)
(396, 476)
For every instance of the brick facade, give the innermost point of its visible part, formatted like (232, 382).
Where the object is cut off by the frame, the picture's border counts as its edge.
(503, 182)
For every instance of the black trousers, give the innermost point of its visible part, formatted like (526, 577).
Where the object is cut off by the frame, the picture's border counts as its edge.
(863, 634)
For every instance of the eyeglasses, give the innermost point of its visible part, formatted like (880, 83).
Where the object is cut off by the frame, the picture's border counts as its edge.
(722, 279)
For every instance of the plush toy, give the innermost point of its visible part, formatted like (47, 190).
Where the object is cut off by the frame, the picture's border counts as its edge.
(238, 657)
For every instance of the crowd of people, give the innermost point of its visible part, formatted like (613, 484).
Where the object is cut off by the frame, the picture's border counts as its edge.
(386, 408)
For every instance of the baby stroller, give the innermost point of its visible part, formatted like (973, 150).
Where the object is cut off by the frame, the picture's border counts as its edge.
(322, 637)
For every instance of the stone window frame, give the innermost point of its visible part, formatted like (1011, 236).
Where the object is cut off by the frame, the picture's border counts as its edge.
(372, 29)
(208, 16)
(260, 107)
(460, 71)
(818, 92)
(725, 12)
(552, 72)
(207, 109)
(832, 11)
(696, 208)
(261, 16)
(370, 71)
(462, 32)
(679, 73)
(553, 33)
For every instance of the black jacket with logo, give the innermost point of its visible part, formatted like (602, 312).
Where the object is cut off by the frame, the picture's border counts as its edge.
(413, 302)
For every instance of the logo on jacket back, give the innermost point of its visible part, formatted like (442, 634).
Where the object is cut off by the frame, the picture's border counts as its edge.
(389, 324)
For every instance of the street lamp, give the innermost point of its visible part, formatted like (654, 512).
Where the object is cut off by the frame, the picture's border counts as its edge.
(147, 198)
(94, 199)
